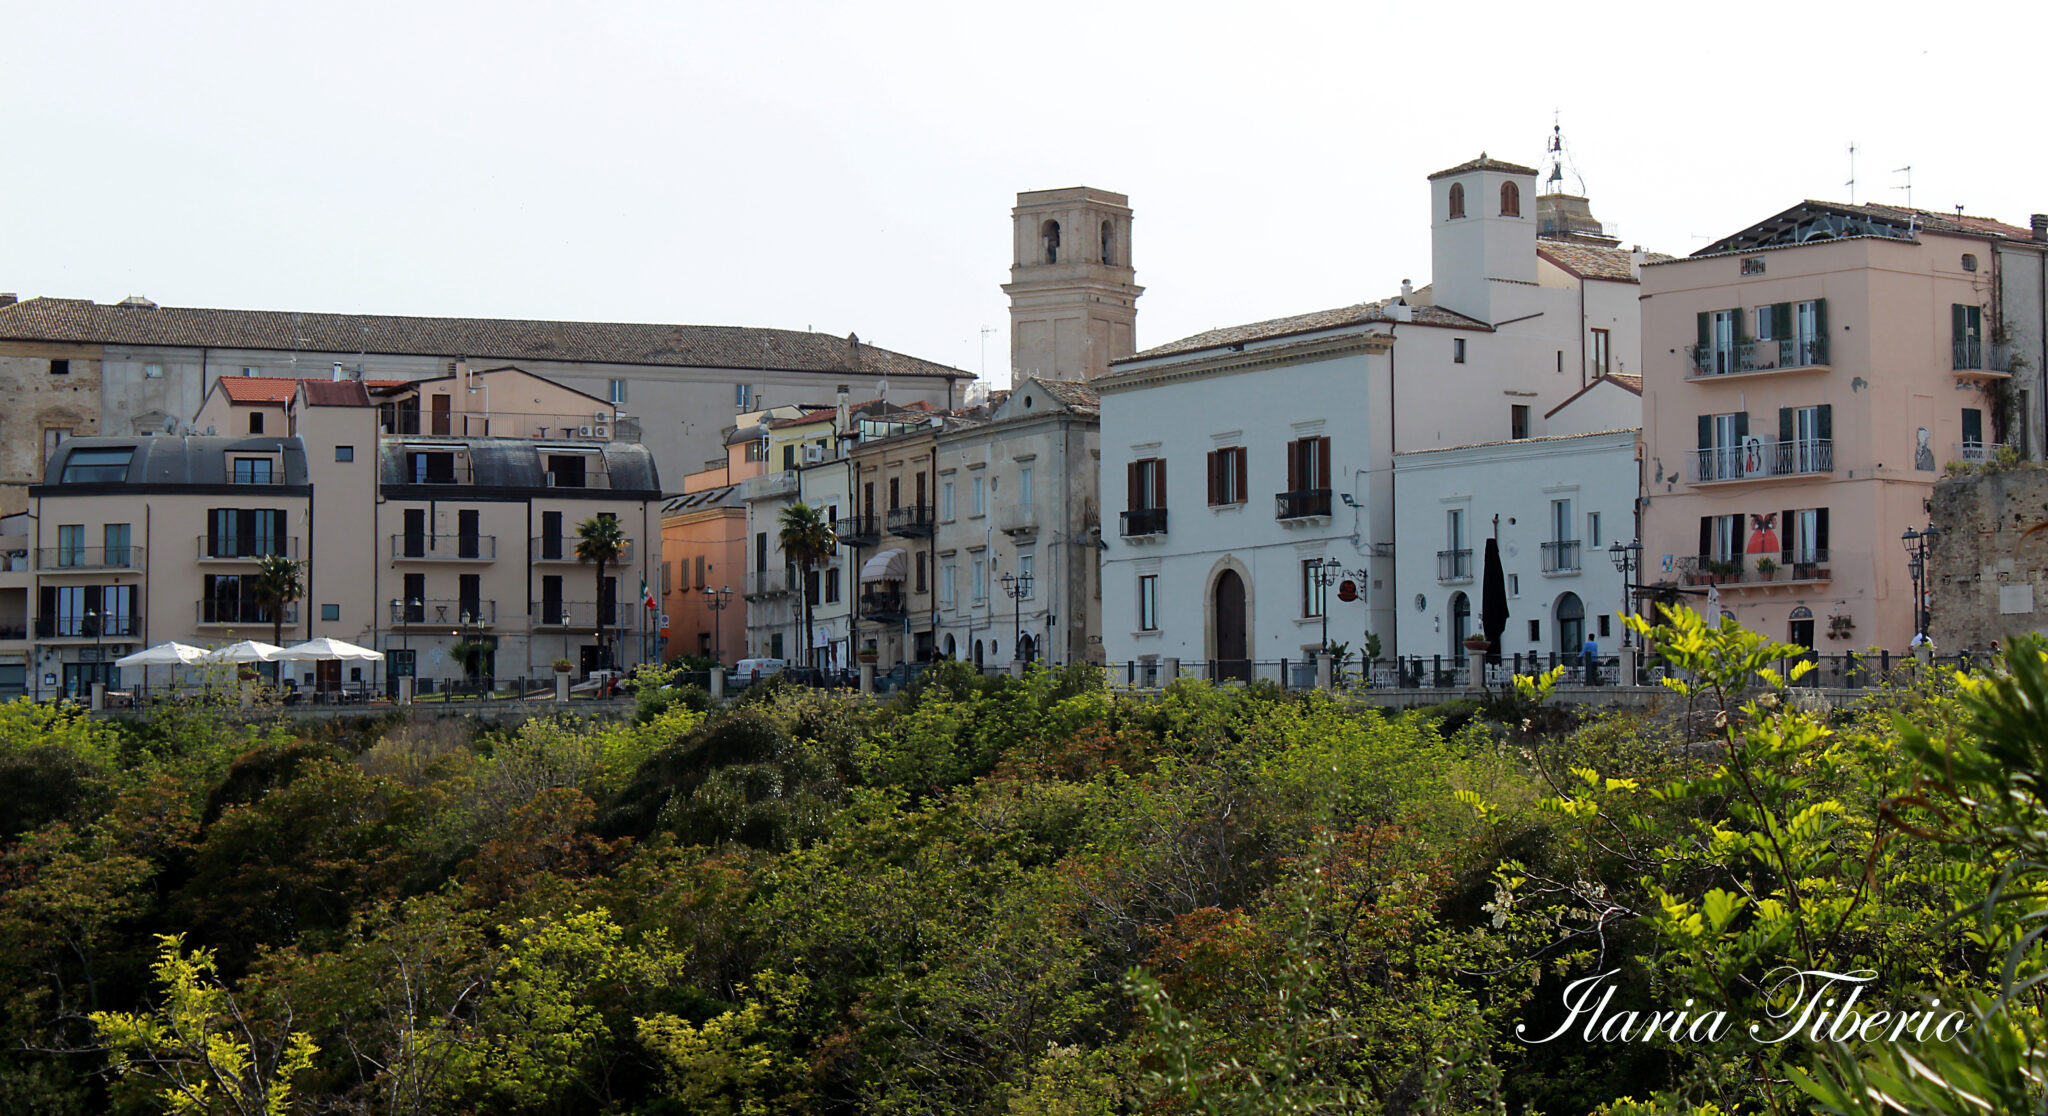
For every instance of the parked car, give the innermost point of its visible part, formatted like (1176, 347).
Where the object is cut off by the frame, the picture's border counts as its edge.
(746, 672)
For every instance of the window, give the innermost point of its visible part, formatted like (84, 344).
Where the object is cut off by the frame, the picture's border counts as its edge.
(920, 582)
(1510, 200)
(1967, 331)
(1536, 631)
(551, 611)
(1720, 538)
(980, 496)
(1457, 200)
(1969, 262)
(757, 451)
(949, 583)
(1050, 234)
(60, 368)
(253, 470)
(245, 532)
(1973, 429)
(1766, 317)
(71, 544)
(551, 534)
(53, 436)
(895, 493)
(1145, 484)
(1592, 528)
(1754, 265)
(1308, 467)
(761, 551)
(1454, 529)
(330, 612)
(1108, 243)
(1148, 602)
(789, 455)
(565, 470)
(248, 371)
(1603, 625)
(742, 396)
(946, 501)
(618, 392)
(97, 466)
(1600, 351)
(344, 453)
(1518, 420)
(1805, 442)
(152, 371)
(1560, 520)
(1457, 350)
(1025, 581)
(832, 585)
(438, 468)
(813, 587)
(979, 580)
(1514, 585)
(115, 537)
(1312, 587)
(255, 422)
(1227, 476)
(1024, 486)
(1804, 538)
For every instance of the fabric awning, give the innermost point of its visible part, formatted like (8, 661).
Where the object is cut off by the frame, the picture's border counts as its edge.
(888, 565)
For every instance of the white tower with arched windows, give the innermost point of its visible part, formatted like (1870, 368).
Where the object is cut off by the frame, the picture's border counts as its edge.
(1073, 301)
(1482, 233)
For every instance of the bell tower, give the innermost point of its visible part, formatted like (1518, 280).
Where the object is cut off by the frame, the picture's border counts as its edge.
(1073, 302)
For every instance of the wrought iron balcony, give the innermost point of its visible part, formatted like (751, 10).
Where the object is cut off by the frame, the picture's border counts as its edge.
(1453, 566)
(859, 531)
(1561, 556)
(584, 615)
(1301, 504)
(61, 558)
(1144, 521)
(445, 548)
(770, 583)
(13, 631)
(246, 548)
(1759, 459)
(1968, 352)
(562, 548)
(441, 613)
(881, 604)
(234, 610)
(1977, 453)
(1757, 356)
(120, 625)
(911, 521)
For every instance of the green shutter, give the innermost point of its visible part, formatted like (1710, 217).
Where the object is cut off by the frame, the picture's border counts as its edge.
(1706, 331)
(1784, 424)
(1820, 318)
(1741, 321)
(1785, 522)
(1959, 322)
(1825, 421)
(1741, 426)
(1820, 531)
(1781, 320)
(1706, 432)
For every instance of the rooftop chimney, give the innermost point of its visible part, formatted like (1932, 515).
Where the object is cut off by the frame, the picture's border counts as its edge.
(8, 298)
(337, 377)
(1407, 289)
(839, 420)
(2040, 222)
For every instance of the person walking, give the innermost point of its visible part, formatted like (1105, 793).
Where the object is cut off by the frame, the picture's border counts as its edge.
(1589, 660)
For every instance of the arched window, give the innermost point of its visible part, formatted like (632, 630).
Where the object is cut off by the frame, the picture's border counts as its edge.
(1108, 243)
(1510, 200)
(1461, 624)
(1969, 262)
(1457, 200)
(1051, 233)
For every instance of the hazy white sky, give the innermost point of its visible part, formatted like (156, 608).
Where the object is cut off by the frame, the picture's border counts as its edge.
(850, 167)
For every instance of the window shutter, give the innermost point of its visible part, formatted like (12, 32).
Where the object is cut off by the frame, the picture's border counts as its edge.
(1784, 424)
(1706, 432)
(1959, 322)
(1781, 320)
(1706, 536)
(1322, 477)
(1294, 466)
(1158, 482)
(1706, 332)
(1213, 463)
(1131, 492)
(1741, 426)
(1824, 421)
(1820, 531)
(1786, 526)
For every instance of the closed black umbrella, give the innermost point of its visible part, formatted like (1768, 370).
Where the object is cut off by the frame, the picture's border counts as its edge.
(1493, 601)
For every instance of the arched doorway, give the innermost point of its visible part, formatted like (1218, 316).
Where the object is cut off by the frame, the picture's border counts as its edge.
(1569, 615)
(1802, 627)
(1461, 624)
(1232, 641)
(1027, 648)
(952, 651)
(977, 654)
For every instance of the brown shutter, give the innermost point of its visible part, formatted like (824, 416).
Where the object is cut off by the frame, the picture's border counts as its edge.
(1322, 477)
(1131, 499)
(1294, 466)
(1215, 468)
(1158, 482)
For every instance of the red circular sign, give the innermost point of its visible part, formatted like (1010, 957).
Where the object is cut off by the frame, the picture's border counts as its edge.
(1347, 591)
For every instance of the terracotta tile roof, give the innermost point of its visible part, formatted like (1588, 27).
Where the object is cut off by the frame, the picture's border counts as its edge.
(335, 393)
(1074, 396)
(259, 389)
(1820, 221)
(1588, 261)
(83, 321)
(1484, 162)
(1631, 384)
(1362, 314)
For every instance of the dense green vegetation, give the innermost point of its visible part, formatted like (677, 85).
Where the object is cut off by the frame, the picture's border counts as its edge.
(1028, 897)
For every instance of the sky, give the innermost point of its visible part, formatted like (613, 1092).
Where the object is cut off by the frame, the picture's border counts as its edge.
(851, 167)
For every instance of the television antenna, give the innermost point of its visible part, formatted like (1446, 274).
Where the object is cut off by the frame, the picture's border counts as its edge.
(1906, 170)
(1851, 184)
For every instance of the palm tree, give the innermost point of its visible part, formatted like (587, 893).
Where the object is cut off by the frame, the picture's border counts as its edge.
(278, 584)
(808, 539)
(600, 540)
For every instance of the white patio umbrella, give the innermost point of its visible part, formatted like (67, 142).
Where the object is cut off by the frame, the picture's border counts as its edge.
(247, 651)
(325, 648)
(171, 653)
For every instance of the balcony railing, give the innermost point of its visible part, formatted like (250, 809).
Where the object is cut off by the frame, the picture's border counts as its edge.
(546, 548)
(861, 531)
(592, 425)
(11, 630)
(440, 613)
(911, 521)
(117, 626)
(89, 558)
(445, 548)
(1977, 453)
(246, 548)
(1740, 570)
(881, 604)
(1763, 459)
(575, 614)
(1968, 352)
(770, 583)
(1561, 556)
(1454, 565)
(234, 610)
(1302, 504)
(1144, 521)
(1757, 356)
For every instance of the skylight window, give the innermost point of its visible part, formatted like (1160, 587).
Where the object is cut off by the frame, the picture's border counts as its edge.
(97, 466)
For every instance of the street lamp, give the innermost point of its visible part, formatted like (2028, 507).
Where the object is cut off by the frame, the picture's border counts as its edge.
(1628, 558)
(1018, 588)
(99, 645)
(1916, 543)
(401, 618)
(717, 600)
(1323, 573)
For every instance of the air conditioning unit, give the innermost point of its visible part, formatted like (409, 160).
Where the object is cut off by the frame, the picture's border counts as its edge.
(814, 454)
(599, 432)
(583, 431)
(601, 416)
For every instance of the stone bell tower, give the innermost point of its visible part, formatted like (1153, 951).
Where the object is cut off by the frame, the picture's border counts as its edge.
(1073, 302)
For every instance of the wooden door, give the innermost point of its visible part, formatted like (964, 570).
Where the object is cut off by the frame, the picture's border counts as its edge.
(442, 403)
(1232, 657)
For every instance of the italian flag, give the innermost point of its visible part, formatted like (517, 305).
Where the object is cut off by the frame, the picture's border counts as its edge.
(646, 596)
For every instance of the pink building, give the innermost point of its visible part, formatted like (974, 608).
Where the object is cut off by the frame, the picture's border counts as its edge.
(1806, 381)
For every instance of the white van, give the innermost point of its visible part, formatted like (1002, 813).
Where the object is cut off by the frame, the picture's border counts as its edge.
(746, 672)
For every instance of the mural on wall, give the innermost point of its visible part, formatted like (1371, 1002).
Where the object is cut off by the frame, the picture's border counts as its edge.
(1763, 534)
(1923, 453)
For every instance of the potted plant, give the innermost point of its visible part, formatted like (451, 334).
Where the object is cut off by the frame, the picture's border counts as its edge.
(868, 652)
(1766, 568)
(564, 666)
(1477, 643)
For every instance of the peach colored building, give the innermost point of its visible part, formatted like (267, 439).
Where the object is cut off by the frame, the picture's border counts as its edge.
(1806, 381)
(703, 555)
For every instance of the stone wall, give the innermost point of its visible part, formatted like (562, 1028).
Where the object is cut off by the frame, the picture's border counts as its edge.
(32, 400)
(1989, 578)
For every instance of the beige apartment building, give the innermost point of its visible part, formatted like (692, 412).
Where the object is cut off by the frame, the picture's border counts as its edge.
(412, 542)
(1806, 382)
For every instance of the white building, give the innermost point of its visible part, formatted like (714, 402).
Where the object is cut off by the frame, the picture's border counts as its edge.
(1311, 410)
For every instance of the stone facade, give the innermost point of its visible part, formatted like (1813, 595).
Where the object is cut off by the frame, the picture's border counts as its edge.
(39, 406)
(1073, 295)
(1988, 577)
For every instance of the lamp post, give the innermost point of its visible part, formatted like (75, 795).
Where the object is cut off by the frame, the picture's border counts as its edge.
(99, 645)
(400, 619)
(1916, 543)
(1323, 573)
(1627, 558)
(717, 600)
(1018, 588)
